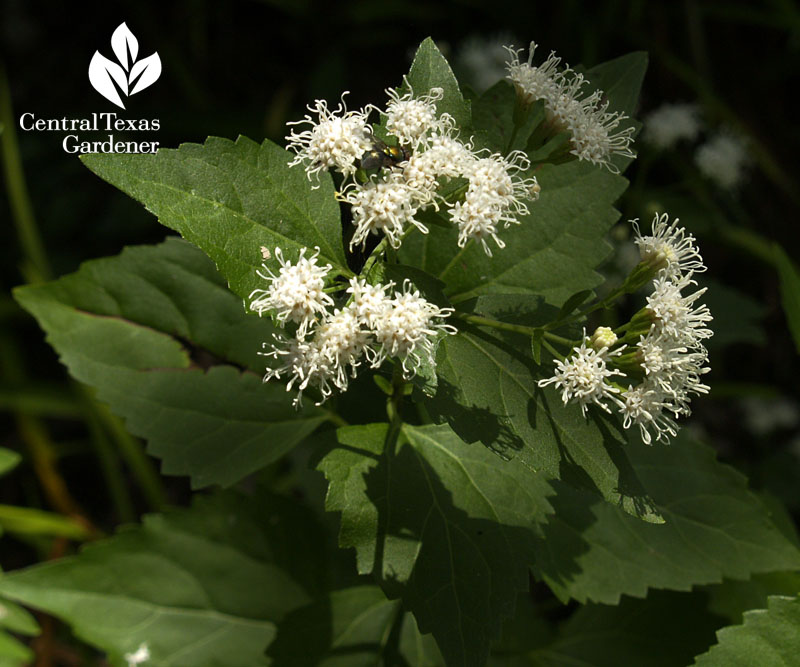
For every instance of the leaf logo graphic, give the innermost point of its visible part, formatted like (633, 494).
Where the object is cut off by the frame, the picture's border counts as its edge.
(128, 76)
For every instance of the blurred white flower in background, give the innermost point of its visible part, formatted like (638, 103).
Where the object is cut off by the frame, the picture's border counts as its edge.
(723, 159)
(670, 123)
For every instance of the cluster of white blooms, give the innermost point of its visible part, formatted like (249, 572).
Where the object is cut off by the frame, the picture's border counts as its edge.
(329, 343)
(670, 123)
(723, 159)
(582, 376)
(594, 130)
(410, 174)
(670, 357)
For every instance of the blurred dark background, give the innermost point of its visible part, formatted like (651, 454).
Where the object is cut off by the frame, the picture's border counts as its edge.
(247, 67)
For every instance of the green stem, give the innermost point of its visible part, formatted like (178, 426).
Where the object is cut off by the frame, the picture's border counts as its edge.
(133, 454)
(496, 324)
(374, 255)
(335, 419)
(36, 268)
(109, 463)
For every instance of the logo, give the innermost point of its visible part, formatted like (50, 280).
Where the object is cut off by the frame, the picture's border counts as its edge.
(129, 75)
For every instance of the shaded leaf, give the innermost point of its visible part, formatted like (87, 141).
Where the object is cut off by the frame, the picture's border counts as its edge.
(445, 525)
(714, 528)
(120, 325)
(197, 586)
(488, 392)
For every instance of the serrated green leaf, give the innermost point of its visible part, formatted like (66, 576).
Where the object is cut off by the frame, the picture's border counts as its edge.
(790, 292)
(488, 392)
(714, 528)
(551, 253)
(121, 325)
(445, 525)
(621, 80)
(430, 69)
(229, 199)
(768, 638)
(195, 587)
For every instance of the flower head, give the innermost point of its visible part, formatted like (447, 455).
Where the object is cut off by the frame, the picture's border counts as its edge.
(667, 125)
(593, 128)
(407, 328)
(723, 160)
(382, 206)
(532, 82)
(296, 293)
(669, 247)
(675, 314)
(337, 139)
(410, 118)
(582, 377)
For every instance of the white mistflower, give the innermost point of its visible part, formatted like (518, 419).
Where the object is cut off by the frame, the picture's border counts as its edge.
(532, 82)
(723, 160)
(410, 118)
(342, 340)
(593, 128)
(582, 376)
(496, 194)
(671, 366)
(296, 293)
(442, 157)
(643, 406)
(368, 301)
(382, 206)
(478, 217)
(676, 314)
(595, 136)
(406, 329)
(670, 123)
(669, 246)
(336, 140)
(303, 363)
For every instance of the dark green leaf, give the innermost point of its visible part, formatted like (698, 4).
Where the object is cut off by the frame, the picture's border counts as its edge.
(769, 638)
(488, 392)
(120, 325)
(230, 199)
(446, 525)
(551, 253)
(429, 70)
(737, 317)
(195, 587)
(714, 528)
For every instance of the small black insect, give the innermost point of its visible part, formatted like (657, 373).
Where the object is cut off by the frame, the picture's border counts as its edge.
(382, 155)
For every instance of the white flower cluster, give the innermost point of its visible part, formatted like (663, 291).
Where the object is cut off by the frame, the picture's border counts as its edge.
(428, 153)
(670, 357)
(670, 123)
(329, 343)
(723, 159)
(593, 128)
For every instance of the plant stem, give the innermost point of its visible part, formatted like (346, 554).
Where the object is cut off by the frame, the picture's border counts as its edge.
(496, 324)
(133, 454)
(35, 268)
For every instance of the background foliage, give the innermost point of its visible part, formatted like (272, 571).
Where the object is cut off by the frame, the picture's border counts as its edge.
(73, 473)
